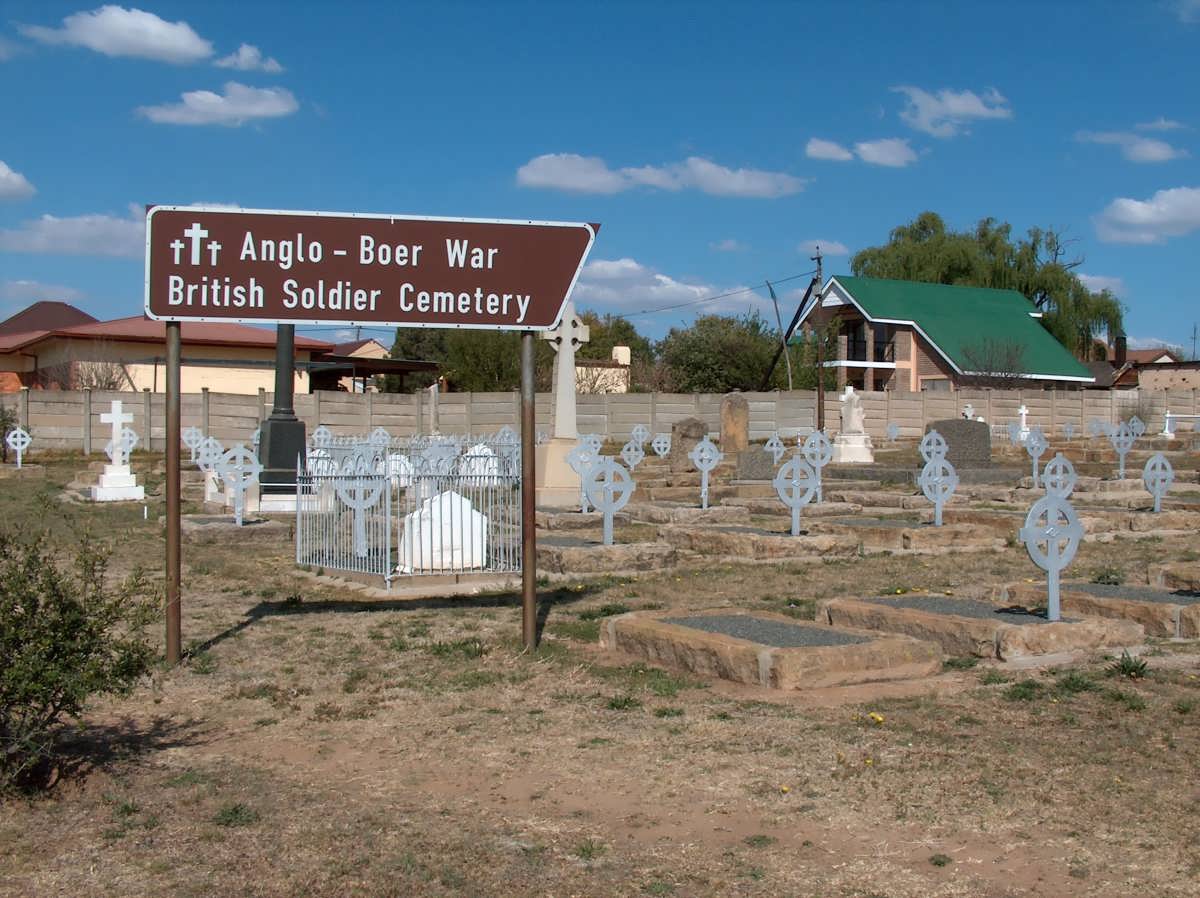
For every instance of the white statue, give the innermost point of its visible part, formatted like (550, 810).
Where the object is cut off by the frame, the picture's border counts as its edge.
(852, 445)
(852, 412)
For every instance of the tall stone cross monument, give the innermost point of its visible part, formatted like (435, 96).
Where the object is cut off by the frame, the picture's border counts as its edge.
(570, 334)
(557, 484)
(118, 483)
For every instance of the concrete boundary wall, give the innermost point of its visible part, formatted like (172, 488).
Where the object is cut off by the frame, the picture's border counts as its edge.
(71, 419)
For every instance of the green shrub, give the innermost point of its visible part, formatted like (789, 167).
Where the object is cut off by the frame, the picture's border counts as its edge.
(1128, 666)
(65, 636)
(1109, 576)
(8, 420)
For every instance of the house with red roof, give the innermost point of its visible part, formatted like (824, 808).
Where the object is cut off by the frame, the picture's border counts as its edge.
(53, 345)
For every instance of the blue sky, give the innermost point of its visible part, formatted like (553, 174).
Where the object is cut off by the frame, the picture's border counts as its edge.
(714, 142)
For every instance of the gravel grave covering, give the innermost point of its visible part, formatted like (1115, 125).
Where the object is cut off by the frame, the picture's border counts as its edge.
(777, 634)
(566, 541)
(1137, 593)
(960, 608)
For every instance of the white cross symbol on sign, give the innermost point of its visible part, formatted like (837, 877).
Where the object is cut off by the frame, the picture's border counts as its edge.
(118, 419)
(196, 234)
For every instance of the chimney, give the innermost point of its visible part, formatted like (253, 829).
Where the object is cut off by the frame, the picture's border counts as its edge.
(622, 355)
(1119, 350)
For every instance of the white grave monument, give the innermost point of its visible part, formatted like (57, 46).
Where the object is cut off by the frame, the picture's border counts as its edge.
(445, 534)
(117, 483)
(852, 445)
(1024, 429)
(558, 485)
(18, 441)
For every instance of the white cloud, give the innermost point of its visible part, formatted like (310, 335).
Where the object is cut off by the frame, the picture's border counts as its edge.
(827, 247)
(728, 245)
(948, 112)
(1155, 343)
(591, 174)
(32, 291)
(1169, 213)
(1134, 147)
(249, 58)
(81, 235)
(7, 49)
(238, 105)
(625, 285)
(14, 185)
(893, 152)
(1098, 282)
(1161, 124)
(116, 31)
(816, 148)
(1188, 10)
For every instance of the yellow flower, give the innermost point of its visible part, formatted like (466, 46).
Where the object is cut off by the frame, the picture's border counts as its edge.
(868, 762)
(785, 789)
(878, 718)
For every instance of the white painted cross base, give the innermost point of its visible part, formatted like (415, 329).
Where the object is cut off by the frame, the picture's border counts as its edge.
(557, 485)
(853, 449)
(117, 484)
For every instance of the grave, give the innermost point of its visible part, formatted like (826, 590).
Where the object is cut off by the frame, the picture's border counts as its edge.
(445, 534)
(969, 627)
(748, 543)
(968, 443)
(558, 484)
(767, 650)
(1163, 613)
(852, 445)
(572, 556)
(117, 483)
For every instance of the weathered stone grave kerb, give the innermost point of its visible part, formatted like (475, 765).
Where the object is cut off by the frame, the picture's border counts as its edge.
(818, 453)
(968, 443)
(1036, 445)
(938, 481)
(608, 487)
(767, 650)
(969, 627)
(1162, 613)
(118, 483)
(1122, 439)
(705, 456)
(796, 483)
(1052, 534)
(581, 459)
(18, 440)
(1157, 477)
(852, 445)
(239, 468)
(192, 438)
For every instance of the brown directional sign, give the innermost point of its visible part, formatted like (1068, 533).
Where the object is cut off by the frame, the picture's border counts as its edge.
(278, 267)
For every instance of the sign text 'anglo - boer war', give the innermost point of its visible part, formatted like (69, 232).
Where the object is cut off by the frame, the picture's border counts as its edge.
(206, 264)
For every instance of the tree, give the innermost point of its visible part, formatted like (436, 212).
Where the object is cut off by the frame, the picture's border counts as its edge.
(419, 344)
(607, 331)
(720, 353)
(1036, 266)
(998, 364)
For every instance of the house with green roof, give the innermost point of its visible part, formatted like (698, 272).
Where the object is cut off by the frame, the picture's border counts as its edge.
(908, 337)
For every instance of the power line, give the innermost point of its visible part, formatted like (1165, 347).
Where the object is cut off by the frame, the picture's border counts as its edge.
(716, 296)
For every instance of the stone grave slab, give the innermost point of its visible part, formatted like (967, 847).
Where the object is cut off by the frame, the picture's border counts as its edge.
(218, 529)
(754, 463)
(751, 543)
(1160, 612)
(968, 443)
(572, 555)
(1182, 575)
(660, 513)
(554, 519)
(978, 628)
(898, 534)
(768, 650)
(769, 506)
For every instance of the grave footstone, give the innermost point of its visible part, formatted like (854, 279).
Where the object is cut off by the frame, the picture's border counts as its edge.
(705, 456)
(1052, 534)
(1157, 477)
(796, 483)
(608, 487)
(18, 440)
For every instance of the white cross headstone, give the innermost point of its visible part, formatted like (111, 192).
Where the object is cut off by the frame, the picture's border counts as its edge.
(581, 458)
(938, 481)
(705, 456)
(118, 418)
(570, 334)
(18, 441)
(609, 487)
(193, 437)
(239, 468)
(1157, 477)
(775, 446)
(796, 483)
(1059, 478)
(1051, 534)
(1122, 439)
(893, 431)
(632, 454)
(1024, 413)
(661, 444)
(1036, 445)
(818, 452)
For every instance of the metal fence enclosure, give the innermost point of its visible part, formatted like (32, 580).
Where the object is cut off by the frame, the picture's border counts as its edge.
(343, 522)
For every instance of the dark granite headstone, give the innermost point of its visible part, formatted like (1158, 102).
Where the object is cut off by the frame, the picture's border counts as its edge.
(755, 463)
(969, 442)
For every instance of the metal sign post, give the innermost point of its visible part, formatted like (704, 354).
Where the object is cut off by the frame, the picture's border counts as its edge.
(174, 489)
(528, 498)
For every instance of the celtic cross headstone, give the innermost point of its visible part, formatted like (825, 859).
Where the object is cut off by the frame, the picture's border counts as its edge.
(640, 434)
(239, 469)
(795, 484)
(255, 440)
(661, 444)
(379, 437)
(938, 481)
(592, 441)
(1036, 445)
(1069, 430)
(322, 436)
(18, 440)
(893, 431)
(118, 451)
(632, 454)
(608, 486)
(193, 437)
(359, 492)
(1052, 534)
(1157, 477)
(1059, 477)
(775, 446)
(818, 452)
(933, 445)
(1138, 426)
(1122, 441)
(208, 453)
(1014, 433)
(705, 456)
(581, 458)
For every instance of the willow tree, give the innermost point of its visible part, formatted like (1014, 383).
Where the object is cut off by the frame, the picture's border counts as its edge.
(1036, 266)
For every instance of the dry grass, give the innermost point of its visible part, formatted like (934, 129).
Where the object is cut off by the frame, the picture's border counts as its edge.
(319, 745)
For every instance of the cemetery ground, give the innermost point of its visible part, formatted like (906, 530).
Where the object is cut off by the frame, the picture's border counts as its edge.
(316, 742)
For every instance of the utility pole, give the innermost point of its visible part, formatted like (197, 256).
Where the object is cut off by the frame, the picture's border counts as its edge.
(787, 357)
(1193, 342)
(817, 329)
